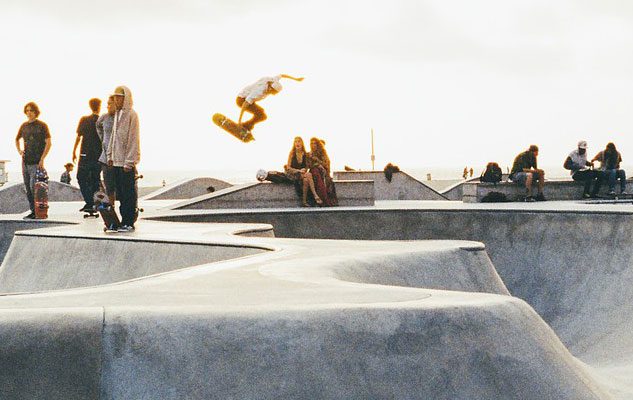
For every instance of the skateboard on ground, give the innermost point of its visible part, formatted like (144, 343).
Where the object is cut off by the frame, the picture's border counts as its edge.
(91, 214)
(107, 212)
(233, 128)
(40, 194)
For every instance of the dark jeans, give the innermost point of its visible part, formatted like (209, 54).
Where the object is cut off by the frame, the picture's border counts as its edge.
(588, 176)
(28, 175)
(613, 175)
(108, 179)
(89, 178)
(127, 194)
(258, 113)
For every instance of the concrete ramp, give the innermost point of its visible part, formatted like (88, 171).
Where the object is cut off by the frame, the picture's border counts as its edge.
(13, 196)
(402, 186)
(276, 195)
(39, 262)
(188, 188)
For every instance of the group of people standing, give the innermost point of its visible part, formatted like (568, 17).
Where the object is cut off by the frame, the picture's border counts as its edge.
(310, 172)
(525, 170)
(108, 145)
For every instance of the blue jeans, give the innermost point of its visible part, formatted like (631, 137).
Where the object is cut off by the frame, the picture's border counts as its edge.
(28, 175)
(613, 175)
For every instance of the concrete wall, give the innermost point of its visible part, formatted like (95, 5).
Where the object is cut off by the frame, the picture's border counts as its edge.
(402, 186)
(566, 189)
(13, 196)
(276, 195)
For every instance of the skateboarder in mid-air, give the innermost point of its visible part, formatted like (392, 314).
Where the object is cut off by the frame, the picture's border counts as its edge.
(249, 96)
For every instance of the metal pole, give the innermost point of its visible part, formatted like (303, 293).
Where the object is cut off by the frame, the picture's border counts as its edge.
(373, 157)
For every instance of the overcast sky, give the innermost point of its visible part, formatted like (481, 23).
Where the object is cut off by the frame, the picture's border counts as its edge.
(441, 82)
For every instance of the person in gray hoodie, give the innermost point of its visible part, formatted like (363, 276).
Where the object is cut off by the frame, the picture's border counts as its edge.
(123, 155)
(104, 131)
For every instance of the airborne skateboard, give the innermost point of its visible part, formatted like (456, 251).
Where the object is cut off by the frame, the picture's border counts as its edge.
(103, 206)
(40, 194)
(233, 128)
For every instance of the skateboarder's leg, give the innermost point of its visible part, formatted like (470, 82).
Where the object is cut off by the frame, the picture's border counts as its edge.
(127, 195)
(28, 175)
(259, 114)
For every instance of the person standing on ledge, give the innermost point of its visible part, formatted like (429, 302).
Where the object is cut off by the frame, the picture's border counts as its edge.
(88, 170)
(37, 143)
(249, 96)
(524, 172)
(123, 155)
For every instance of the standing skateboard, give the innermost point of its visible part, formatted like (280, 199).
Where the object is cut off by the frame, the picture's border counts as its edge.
(40, 194)
(233, 128)
(107, 212)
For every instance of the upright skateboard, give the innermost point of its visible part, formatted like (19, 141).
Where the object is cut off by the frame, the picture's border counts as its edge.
(233, 128)
(40, 194)
(107, 212)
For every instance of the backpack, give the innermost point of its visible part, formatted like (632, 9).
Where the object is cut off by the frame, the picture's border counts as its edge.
(494, 197)
(492, 174)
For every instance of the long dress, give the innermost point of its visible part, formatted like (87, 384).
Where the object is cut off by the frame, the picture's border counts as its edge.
(323, 183)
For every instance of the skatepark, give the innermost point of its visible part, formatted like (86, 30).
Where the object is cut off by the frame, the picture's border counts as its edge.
(405, 299)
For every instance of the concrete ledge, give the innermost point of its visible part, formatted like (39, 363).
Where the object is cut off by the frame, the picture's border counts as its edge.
(563, 189)
(277, 195)
(402, 186)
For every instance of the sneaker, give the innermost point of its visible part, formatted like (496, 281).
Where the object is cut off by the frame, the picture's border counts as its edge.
(611, 192)
(623, 192)
(539, 197)
(30, 216)
(85, 208)
(111, 229)
(586, 195)
(125, 228)
(529, 199)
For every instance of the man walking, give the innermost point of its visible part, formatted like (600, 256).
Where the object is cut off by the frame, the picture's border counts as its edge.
(88, 170)
(123, 155)
(36, 141)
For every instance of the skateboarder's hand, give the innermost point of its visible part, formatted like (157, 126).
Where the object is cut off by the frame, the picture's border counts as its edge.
(127, 168)
(40, 164)
(74, 158)
(110, 163)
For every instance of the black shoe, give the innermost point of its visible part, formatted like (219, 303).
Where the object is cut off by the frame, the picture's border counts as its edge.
(85, 208)
(30, 216)
(585, 195)
(539, 197)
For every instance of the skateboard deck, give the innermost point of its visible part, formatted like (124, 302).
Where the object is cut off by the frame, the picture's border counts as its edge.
(233, 128)
(91, 214)
(627, 196)
(41, 199)
(107, 212)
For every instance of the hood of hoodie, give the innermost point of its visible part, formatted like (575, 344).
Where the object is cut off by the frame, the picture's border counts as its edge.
(128, 102)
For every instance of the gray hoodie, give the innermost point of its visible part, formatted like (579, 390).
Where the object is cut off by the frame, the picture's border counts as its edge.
(124, 148)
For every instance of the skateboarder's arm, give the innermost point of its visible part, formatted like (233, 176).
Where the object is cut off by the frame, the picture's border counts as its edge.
(17, 144)
(77, 140)
(291, 77)
(45, 153)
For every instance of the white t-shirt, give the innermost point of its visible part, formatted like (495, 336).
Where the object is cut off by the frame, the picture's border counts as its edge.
(257, 90)
(579, 161)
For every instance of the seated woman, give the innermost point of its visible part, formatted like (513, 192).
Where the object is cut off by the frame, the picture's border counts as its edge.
(297, 171)
(319, 167)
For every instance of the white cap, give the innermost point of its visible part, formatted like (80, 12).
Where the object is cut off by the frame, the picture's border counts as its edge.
(582, 144)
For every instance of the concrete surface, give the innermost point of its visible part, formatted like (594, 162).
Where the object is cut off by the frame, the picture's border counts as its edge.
(345, 302)
(13, 196)
(187, 189)
(562, 189)
(402, 186)
(272, 195)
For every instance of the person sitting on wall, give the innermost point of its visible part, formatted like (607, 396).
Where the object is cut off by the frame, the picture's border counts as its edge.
(581, 170)
(525, 171)
(610, 160)
(297, 171)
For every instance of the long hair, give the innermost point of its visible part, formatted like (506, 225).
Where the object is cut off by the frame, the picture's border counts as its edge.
(293, 150)
(317, 150)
